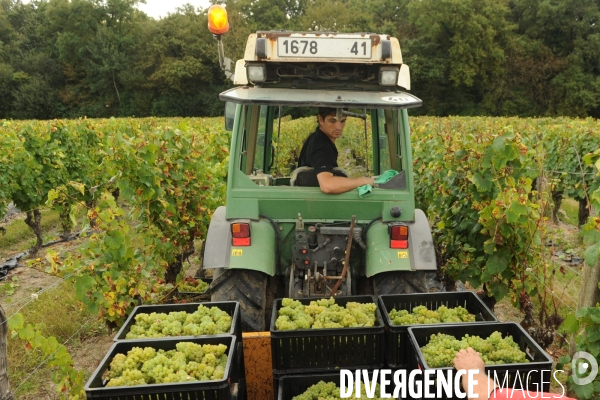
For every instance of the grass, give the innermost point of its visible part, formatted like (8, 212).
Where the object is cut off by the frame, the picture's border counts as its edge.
(566, 284)
(571, 209)
(56, 313)
(565, 279)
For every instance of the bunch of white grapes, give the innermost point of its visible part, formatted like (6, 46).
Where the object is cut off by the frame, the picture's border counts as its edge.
(442, 348)
(324, 313)
(204, 321)
(193, 285)
(188, 362)
(423, 315)
(330, 391)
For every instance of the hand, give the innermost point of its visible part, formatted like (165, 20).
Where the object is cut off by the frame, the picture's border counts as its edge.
(468, 359)
(369, 181)
(482, 385)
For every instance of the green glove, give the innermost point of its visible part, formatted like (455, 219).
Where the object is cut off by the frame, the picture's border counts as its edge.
(386, 176)
(364, 191)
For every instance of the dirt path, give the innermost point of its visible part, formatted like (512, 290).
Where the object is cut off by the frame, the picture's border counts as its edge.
(28, 281)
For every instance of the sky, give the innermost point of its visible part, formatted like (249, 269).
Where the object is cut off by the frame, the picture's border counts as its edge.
(160, 8)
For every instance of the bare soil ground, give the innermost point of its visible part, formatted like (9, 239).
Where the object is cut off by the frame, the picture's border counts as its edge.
(33, 280)
(88, 354)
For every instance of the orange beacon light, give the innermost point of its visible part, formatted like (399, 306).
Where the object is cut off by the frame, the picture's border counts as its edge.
(217, 20)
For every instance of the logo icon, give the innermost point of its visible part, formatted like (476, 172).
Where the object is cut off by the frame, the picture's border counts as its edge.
(584, 367)
(396, 99)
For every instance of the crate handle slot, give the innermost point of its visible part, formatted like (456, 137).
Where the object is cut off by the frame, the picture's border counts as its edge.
(234, 391)
(529, 353)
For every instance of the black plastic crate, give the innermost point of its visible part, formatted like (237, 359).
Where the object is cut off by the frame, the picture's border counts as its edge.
(308, 350)
(207, 291)
(396, 337)
(230, 307)
(535, 375)
(294, 385)
(231, 387)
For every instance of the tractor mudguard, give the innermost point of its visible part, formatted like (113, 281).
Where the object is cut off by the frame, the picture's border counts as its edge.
(218, 241)
(219, 253)
(420, 254)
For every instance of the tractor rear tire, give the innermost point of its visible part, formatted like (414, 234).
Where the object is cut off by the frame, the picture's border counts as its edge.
(247, 287)
(400, 282)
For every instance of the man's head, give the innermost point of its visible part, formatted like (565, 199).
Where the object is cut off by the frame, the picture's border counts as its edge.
(329, 123)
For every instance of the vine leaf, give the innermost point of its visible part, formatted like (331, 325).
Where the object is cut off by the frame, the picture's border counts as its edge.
(592, 253)
(114, 240)
(78, 186)
(595, 314)
(593, 333)
(563, 360)
(571, 324)
(27, 333)
(83, 285)
(584, 391)
(499, 291)
(497, 262)
(16, 322)
(499, 145)
(482, 184)
(515, 211)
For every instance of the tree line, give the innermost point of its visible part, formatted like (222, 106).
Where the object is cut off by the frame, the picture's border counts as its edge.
(102, 58)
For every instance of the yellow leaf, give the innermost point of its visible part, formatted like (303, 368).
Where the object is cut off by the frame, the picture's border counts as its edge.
(80, 187)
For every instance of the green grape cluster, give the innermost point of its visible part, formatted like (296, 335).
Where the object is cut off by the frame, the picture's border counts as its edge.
(193, 285)
(204, 321)
(422, 315)
(324, 313)
(330, 391)
(442, 348)
(188, 362)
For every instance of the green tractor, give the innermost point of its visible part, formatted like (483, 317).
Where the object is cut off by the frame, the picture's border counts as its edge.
(275, 238)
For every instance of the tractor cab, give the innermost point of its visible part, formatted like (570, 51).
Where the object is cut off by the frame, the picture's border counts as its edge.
(279, 235)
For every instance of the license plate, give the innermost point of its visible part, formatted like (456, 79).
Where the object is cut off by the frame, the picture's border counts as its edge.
(324, 47)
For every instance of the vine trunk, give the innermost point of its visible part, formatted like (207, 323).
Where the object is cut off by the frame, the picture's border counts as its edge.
(34, 221)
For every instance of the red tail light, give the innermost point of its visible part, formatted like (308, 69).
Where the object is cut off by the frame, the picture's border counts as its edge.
(240, 233)
(399, 237)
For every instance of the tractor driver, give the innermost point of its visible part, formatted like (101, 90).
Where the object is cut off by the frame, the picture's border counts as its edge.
(320, 153)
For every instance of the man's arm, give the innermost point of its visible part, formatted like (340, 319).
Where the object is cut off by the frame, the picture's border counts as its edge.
(331, 184)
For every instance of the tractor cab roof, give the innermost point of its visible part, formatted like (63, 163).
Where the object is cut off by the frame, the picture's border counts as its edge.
(323, 60)
(320, 98)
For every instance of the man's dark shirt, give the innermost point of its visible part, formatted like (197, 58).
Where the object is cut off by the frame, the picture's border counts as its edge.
(318, 152)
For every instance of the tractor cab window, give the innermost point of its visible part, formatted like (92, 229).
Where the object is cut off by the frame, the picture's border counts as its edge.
(256, 160)
(273, 136)
(388, 148)
(259, 158)
(383, 154)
